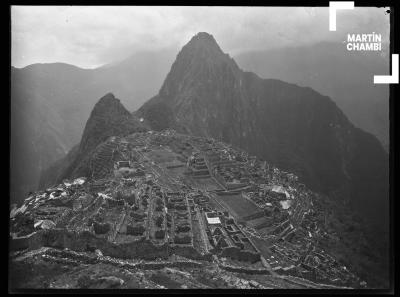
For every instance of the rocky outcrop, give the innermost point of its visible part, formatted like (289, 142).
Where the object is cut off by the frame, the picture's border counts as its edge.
(108, 118)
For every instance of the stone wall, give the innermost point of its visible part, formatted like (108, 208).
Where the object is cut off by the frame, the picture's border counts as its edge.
(244, 270)
(87, 241)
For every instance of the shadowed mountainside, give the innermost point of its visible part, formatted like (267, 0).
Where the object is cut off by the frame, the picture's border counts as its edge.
(327, 67)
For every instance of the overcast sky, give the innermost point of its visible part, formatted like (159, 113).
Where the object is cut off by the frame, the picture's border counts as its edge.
(92, 36)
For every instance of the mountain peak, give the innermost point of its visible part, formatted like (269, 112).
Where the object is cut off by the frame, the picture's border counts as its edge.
(108, 118)
(204, 40)
(109, 104)
(201, 61)
(204, 36)
(108, 98)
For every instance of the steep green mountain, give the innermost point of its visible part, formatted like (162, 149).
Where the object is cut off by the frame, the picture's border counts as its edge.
(109, 118)
(293, 127)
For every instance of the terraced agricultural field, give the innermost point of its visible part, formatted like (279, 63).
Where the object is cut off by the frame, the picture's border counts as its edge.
(162, 156)
(208, 184)
(238, 206)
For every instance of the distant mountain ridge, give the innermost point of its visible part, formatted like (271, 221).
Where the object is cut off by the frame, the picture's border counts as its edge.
(51, 103)
(327, 67)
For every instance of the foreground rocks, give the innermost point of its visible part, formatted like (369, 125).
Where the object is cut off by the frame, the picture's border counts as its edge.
(64, 269)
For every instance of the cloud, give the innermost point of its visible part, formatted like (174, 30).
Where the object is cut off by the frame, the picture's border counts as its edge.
(89, 36)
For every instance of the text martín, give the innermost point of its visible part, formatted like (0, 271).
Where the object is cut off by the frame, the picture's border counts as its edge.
(364, 42)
